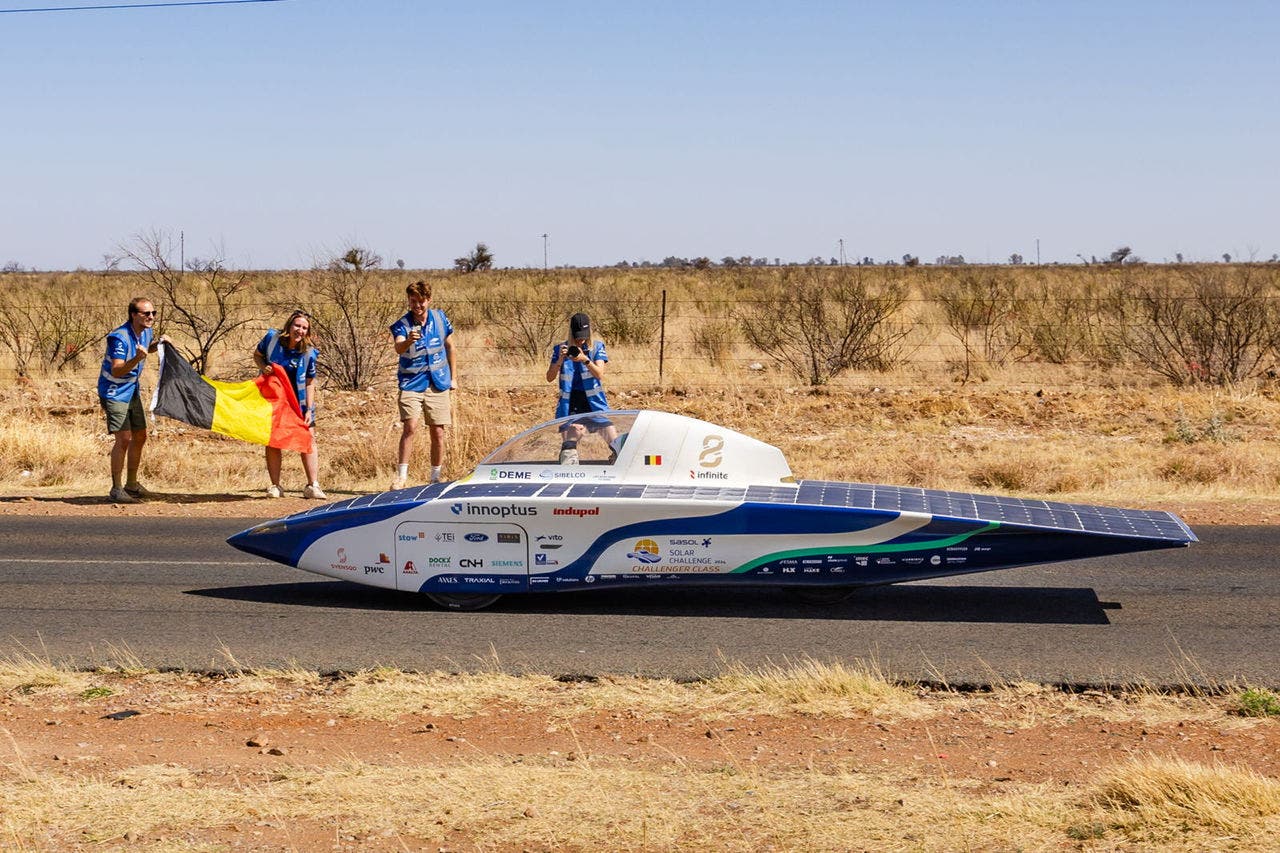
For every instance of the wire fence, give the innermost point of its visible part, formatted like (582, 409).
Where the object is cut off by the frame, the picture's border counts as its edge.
(699, 342)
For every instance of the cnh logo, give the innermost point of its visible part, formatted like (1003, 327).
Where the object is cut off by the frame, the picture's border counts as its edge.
(471, 563)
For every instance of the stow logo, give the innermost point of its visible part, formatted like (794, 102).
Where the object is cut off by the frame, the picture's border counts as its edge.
(712, 448)
(646, 551)
(499, 511)
(408, 569)
(471, 563)
(509, 538)
(495, 474)
(476, 537)
(410, 537)
(653, 460)
(575, 511)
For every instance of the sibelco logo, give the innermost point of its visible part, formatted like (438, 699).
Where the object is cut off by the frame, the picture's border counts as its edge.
(499, 511)
(575, 511)
(496, 474)
(710, 457)
(476, 537)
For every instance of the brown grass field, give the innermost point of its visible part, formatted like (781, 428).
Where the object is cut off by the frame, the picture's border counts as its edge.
(805, 756)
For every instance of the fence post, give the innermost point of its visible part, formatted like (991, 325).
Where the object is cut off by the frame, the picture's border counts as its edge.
(662, 335)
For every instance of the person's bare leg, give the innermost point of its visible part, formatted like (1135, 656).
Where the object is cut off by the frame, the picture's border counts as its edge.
(437, 446)
(311, 461)
(135, 456)
(408, 429)
(119, 451)
(273, 465)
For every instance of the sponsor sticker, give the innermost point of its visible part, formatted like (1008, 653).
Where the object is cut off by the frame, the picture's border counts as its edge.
(645, 551)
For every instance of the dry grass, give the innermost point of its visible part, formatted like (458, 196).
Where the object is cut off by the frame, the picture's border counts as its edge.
(610, 805)
(1154, 796)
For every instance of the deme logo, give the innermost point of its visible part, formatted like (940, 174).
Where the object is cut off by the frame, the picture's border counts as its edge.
(495, 474)
(646, 551)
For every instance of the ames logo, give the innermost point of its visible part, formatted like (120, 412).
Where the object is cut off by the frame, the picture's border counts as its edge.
(495, 474)
(575, 511)
(499, 511)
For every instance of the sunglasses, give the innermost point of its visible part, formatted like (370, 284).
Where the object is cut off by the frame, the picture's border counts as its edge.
(146, 313)
(299, 313)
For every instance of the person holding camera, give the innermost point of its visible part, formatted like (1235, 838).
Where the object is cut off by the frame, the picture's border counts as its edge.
(579, 364)
(423, 342)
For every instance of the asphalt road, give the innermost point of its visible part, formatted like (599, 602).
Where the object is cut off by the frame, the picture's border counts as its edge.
(172, 593)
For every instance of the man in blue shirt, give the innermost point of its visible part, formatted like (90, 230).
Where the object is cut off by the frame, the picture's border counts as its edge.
(121, 398)
(426, 376)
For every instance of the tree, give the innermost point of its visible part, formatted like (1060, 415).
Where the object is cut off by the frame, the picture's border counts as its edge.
(207, 302)
(910, 260)
(1015, 259)
(1119, 255)
(479, 259)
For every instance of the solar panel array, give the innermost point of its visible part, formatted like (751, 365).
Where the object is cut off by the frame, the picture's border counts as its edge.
(1046, 515)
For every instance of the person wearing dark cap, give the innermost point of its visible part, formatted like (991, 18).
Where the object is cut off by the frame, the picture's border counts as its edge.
(579, 364)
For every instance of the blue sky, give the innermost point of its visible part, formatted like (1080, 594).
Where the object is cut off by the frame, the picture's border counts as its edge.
(285, 130)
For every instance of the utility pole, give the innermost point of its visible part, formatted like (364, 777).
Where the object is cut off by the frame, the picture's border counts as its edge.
(841, 251)
(1037, 251)
(182, 251)
(544, 252)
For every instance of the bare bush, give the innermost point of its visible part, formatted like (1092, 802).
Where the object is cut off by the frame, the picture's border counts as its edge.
(818, 322)
(714, 340)
(1205, 323)
(51, 327)
(978, 308)
(534, 314)
(1057, 324)
(349, 319)
(207, 302)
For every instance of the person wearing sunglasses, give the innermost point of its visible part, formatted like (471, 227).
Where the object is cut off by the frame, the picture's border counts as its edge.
(121, 398)
(426, 376)
(292, 348)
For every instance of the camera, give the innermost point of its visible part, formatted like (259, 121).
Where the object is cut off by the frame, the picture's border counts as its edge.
(573, 351)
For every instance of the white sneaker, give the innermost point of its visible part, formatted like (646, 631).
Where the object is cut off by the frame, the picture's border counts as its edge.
(314, 492)
(120, 496)
(274, 491)
(398, 483)
(138, 490)
(569, 456)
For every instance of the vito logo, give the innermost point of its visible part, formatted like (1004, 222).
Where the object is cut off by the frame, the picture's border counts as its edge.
(710, 457)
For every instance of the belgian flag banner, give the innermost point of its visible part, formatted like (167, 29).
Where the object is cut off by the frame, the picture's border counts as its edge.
(263, 410)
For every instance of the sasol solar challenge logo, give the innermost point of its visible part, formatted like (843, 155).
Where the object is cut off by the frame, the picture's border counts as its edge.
(646, 551)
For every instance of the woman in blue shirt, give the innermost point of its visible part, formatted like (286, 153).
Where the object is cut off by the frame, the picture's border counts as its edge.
(291, 347)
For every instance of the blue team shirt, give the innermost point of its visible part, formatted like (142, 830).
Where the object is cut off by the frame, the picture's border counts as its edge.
(417, 371)
(300, 366)
(123, 344)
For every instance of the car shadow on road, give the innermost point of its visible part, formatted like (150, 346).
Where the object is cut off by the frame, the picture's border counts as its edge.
(898, 603)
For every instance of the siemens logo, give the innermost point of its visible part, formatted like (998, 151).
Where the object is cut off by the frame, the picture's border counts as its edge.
(497, 511)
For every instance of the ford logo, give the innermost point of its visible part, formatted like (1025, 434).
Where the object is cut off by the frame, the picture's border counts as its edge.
(476, 537)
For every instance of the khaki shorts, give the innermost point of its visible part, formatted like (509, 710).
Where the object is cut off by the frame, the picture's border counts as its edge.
(431, 406)
(124, 416)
